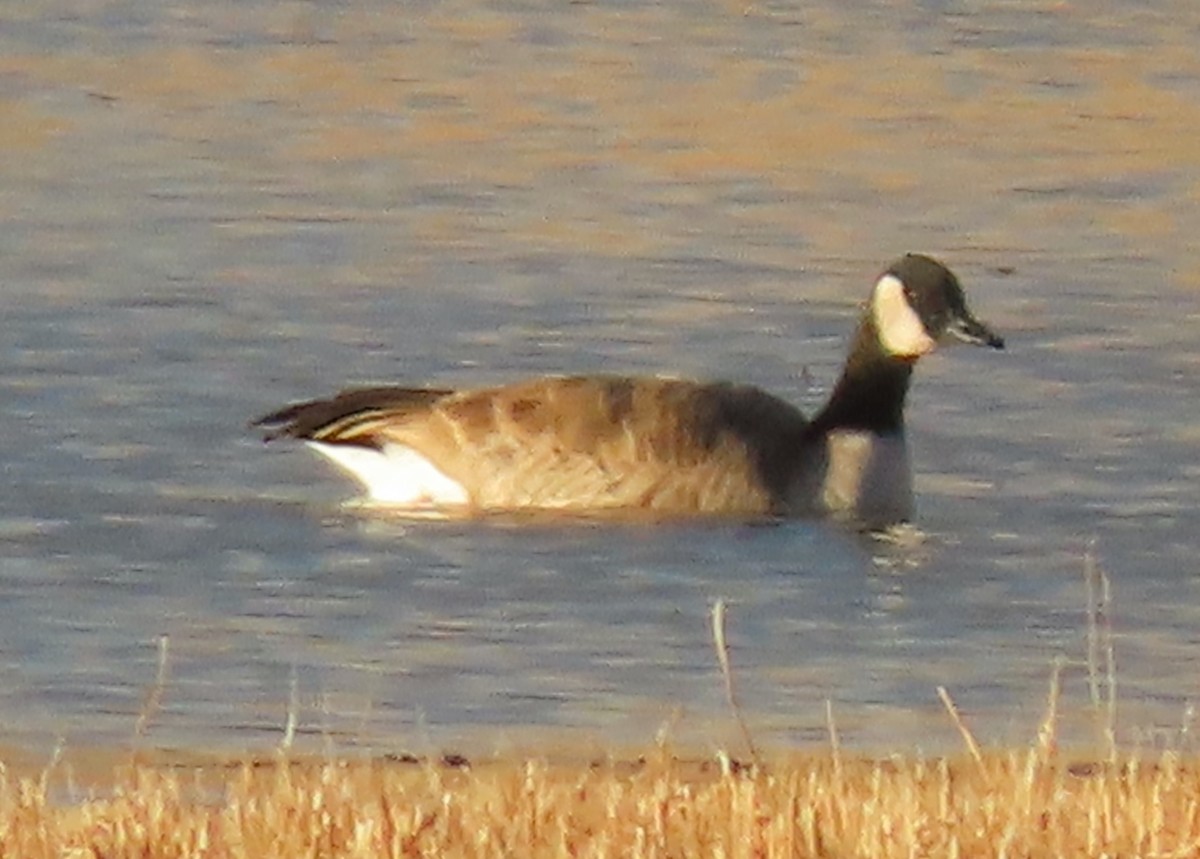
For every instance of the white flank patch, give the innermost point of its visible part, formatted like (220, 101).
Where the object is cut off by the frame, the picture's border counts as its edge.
(395, 475)
(900, 329)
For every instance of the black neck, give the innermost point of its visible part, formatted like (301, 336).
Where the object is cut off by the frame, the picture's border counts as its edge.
(870, 394)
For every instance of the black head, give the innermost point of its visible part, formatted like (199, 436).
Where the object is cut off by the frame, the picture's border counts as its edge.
(918, 302)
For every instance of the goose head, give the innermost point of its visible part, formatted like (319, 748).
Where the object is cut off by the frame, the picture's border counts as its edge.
(917, 304)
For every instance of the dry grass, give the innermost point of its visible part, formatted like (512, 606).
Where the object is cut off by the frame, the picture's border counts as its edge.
(1013, 804)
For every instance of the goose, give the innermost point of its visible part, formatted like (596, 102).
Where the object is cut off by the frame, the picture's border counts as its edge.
(660, 446)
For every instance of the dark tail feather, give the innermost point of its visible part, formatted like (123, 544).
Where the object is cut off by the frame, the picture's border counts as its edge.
(307, 419)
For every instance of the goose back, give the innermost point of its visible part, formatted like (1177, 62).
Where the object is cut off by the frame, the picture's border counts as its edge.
(586, 442)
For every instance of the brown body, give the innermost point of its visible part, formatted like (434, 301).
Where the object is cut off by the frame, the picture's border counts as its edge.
(585, 442)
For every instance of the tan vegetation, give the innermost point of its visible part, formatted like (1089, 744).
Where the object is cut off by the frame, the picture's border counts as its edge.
(1002, 804)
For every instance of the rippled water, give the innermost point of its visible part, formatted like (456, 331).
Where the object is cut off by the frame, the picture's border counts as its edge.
(212, 209)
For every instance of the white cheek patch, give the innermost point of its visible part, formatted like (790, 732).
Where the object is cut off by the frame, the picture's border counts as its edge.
(900, 329)
(395, 475)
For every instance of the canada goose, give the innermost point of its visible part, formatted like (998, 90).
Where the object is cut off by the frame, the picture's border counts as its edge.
(666, 446)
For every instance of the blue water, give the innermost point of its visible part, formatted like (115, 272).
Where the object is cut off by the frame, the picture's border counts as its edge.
(184, 251)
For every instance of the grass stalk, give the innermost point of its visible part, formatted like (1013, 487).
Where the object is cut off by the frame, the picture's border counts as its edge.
(968, 737)
(719, 642)
(289, 727)
(152, 701)
(1100, 645)
(1047, 742)
(835, 744)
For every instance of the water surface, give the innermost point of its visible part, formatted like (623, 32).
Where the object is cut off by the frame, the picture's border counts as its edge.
(212, 209)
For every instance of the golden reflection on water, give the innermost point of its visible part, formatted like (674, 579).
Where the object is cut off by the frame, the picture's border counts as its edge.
(467, 100)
